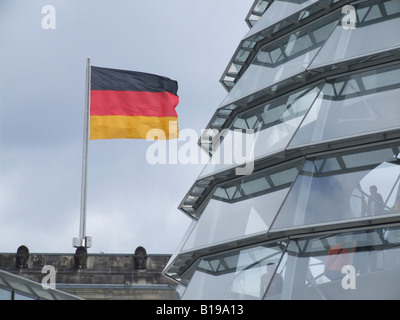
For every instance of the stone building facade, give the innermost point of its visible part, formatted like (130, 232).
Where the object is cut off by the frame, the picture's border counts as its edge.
(96, 276)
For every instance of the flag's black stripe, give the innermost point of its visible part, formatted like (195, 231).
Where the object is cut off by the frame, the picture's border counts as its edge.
(122, 80)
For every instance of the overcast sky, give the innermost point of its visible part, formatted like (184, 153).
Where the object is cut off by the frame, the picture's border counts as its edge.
(42, 91)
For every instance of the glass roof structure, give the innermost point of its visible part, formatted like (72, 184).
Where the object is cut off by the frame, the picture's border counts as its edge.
(312, 116)
(309, 51)
(350, 106)
(312, 109)
(280, 60)
(372, 20)
(297, 269)
(256, 11)
(280, 16)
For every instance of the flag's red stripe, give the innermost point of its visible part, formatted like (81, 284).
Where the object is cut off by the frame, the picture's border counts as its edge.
(133, 103)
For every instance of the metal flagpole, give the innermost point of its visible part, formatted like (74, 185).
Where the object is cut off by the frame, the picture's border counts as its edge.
(83, 240)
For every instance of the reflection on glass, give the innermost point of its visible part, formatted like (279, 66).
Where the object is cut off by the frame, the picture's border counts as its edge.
(278, 10)
(357, 104)
(273, 124)
(280, 60)
(357, 265)
(5, 294)
(242, 274)
(258, 10)
(281, 14)
(18, 296)
(250, 202)
(377, 22)
(180, 246)
(342, 187)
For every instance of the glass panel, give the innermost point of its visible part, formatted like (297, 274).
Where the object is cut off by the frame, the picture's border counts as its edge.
(258, 10)
(180, 245)
(352, 106)
(277, 11)
(2, 280)
(358, 265)
(274, 125)
(392, 6)
(365, 186)
(280, 60)
(251, 202)
(242, 274)
(18, 296)
(260, 7)
(234, 69)
(5, 294)
(243, 55)
(274, 290)
(19, 284)
(47, 294)
(380, 26)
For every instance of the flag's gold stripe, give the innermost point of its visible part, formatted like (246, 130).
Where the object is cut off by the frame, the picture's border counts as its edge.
(133, 127)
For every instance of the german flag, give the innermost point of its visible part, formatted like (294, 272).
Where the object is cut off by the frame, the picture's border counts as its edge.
(127, 104)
